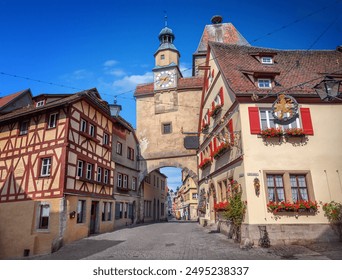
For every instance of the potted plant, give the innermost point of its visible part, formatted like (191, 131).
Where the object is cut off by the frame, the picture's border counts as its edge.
(272, 132)
(294, 132)
(205, 163)
(221, 149)
(221, 206)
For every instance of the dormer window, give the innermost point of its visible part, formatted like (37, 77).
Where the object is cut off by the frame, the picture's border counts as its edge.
(267, 60)
(264, 83)
(40, 103)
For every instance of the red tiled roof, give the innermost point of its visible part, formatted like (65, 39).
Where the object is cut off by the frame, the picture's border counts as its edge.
(291, 67)
(183, 83)
(6, 99)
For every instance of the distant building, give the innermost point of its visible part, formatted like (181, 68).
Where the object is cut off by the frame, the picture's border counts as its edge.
(125, 154)
(155, 197)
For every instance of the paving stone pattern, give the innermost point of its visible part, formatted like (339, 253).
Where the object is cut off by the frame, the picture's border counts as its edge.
(176, 240)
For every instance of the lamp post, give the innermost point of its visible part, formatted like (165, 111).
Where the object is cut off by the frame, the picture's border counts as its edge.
(115, 109)
(328, 89)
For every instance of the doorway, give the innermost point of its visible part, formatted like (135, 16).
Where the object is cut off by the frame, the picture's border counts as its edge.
(94, 217)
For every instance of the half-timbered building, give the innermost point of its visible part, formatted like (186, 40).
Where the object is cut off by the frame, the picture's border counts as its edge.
(56, 172)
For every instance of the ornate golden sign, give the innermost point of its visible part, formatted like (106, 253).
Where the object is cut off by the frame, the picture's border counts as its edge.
(285, 108)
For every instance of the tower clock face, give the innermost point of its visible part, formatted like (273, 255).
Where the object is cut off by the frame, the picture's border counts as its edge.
(165, 79)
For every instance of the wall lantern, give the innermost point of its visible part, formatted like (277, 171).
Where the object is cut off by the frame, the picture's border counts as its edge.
(257, 186)
(328, 89)
(72, 214)
(115, 109)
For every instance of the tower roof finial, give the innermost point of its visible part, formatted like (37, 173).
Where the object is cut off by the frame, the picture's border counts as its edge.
(165, 18)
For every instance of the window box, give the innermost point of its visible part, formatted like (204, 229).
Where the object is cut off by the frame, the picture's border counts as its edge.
(205, 163)
(306, 206)
(271, 132)
(294, 132)
(222, 149)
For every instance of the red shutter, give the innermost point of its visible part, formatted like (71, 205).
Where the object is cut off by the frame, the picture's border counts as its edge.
(208, 113)
(306, 121)
(213, 106)
(231, 131)
(254, 120)
(215, 144)
(201, 157)
(221, 96)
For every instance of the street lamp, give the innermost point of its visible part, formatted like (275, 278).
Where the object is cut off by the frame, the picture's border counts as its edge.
(115, 109)
(328, 89)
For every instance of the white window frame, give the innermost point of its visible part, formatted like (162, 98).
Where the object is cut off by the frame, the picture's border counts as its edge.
(119, 180)
(80, 214)
(267, 60)
(105, 139)
(119, 148)
(45, 170)
(99, 173)
(89, 172)
(24, 129)
(106, 176)
(92, 130)
(43, 214)
(52, 120)
(125, 181)
(40, 103)
(80, 165)
(268, 113)
(83, 125)
(134, 183)
(262, 83)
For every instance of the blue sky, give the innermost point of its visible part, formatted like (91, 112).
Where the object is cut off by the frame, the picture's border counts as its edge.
(107, 44)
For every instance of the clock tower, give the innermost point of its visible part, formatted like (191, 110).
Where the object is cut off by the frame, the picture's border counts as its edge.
(166, 70)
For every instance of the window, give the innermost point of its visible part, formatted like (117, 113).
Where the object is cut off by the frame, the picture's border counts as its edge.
(119, 148)
(83, 125)
(267, 60)
(44, 215)
(91, 130)
(267, 120)
(264, 83)
(299, 188)
(121, 209)
(24, 127)
(194, 196)
(134, 183)
(80, 164)
(166, 128)
(81, 211)
(109, 211)
(52, 120)
(106, 176)
(105, 139)
(89, 175)
(162, 57)
(104, 208)
(125, 181)
(130, 153)
(275, 187)
(45, 167)
(125, 210)
(119, 180)
(40, 103)
(99, 174)
(290, 186)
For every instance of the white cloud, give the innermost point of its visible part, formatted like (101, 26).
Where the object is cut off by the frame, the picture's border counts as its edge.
(186, 69)
(130, 82)
(110, 63)
(116, 72)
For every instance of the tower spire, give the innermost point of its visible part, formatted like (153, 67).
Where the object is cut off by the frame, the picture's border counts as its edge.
(165, 18)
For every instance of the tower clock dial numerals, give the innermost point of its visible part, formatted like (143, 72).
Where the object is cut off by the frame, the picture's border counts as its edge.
(165, 79)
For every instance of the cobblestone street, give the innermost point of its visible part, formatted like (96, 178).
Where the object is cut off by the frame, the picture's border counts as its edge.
(181, 240)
